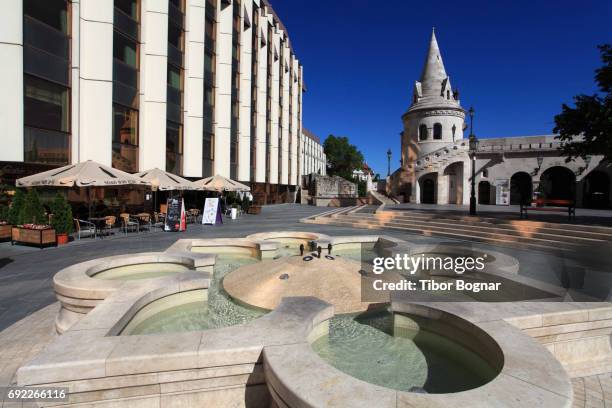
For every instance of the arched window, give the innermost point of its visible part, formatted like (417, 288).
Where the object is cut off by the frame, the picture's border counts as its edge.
(448, 95)
(423, 132)
(437, 130)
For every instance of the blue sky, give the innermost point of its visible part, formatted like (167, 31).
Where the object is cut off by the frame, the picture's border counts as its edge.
(515, 61)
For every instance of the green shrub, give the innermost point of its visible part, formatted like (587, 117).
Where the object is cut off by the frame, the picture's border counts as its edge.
(362, 188)
(4, 211)
(32, 211)
(62, 220)
(14, 212)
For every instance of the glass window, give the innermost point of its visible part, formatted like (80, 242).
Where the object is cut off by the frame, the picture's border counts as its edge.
(46, 146)
(174, 77)
(124, 50)
(174, 147)
(437, 131)
(209, 27)
(423, 132)
(129, 7)
(125, 125)
(209, 61)
(174, 137)
(125, 157)
(175, 36)
(46, 105)
(209, 95)
(51, 12)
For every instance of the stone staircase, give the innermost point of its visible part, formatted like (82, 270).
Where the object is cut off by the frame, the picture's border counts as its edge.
(438, 159)
(504, 232)
(383, 199)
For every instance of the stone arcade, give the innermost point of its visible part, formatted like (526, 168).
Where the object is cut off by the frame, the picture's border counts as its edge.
(435, 162)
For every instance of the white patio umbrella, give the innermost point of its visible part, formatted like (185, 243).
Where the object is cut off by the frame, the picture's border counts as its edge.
(164, 181)
(85, 174)
(219, 183)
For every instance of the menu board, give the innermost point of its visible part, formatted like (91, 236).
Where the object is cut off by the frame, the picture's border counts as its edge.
(211, 214)
(502, 192)
(173, 215)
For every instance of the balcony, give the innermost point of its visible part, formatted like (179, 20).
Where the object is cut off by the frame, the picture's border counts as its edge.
(125, 24)
(176, 16)
(43, 37)
(124, 73)
(46, 146)
(125, 95)
(45, 65)
(175, 56)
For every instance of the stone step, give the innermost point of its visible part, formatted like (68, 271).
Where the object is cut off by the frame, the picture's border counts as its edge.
(469, 233)
(522, 244)
(527, 232)
(523, 225)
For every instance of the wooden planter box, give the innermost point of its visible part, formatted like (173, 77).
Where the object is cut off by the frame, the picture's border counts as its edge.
(33, 237)
(254, 209)
(5, 232)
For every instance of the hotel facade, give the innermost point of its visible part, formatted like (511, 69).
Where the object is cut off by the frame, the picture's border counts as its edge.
(313, 157)
(194, 87)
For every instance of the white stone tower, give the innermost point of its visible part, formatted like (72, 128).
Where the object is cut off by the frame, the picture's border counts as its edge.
(435, 119)
(433, 148)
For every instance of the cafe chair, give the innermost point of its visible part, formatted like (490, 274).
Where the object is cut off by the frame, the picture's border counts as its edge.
(84, 228)
(128, 223)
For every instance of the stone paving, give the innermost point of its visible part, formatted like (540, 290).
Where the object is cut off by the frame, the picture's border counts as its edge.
(26, 273)
(21, 342)
(28, 305)
(593, 392)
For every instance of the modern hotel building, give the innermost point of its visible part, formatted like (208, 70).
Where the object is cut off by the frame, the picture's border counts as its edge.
(195, 87)
(313, 157)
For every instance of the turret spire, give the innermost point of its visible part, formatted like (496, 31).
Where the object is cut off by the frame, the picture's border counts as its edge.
(433, 72)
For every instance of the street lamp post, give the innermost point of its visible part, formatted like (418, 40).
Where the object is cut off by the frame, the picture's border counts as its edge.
(473, 147)
(388, 162)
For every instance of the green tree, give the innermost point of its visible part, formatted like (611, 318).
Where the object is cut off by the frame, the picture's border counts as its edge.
(62, 221)
(586, 129)
(32, 211)
(342, 157)
(14, 213)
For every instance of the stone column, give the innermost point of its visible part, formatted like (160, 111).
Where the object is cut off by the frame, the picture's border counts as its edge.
(442, 188)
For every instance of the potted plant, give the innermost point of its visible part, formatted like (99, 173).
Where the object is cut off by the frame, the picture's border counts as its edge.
(14, 212)
(32, 211)
(5, 227)
(62, 221)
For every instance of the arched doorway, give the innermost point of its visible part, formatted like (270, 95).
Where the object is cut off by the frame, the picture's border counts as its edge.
(484, 192)
(454, 172)
(427, 184)
(520, 188)
(596, 190)
(558, 183)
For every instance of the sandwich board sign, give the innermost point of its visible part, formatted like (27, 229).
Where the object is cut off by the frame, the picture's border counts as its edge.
(173, 215)
(212, 213)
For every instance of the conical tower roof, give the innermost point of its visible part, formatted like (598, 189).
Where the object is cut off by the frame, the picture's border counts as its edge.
(433, 71)
(434, 89)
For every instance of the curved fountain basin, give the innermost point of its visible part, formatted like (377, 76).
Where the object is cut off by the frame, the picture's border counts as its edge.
(204, 309)
(82, 286)
(409, 352)
(142, 271)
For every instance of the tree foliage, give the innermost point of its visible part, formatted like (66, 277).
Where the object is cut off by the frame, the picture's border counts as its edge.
(586, 129)
(62, 221)
(342, 157)
(14, 213)
(32, 211)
